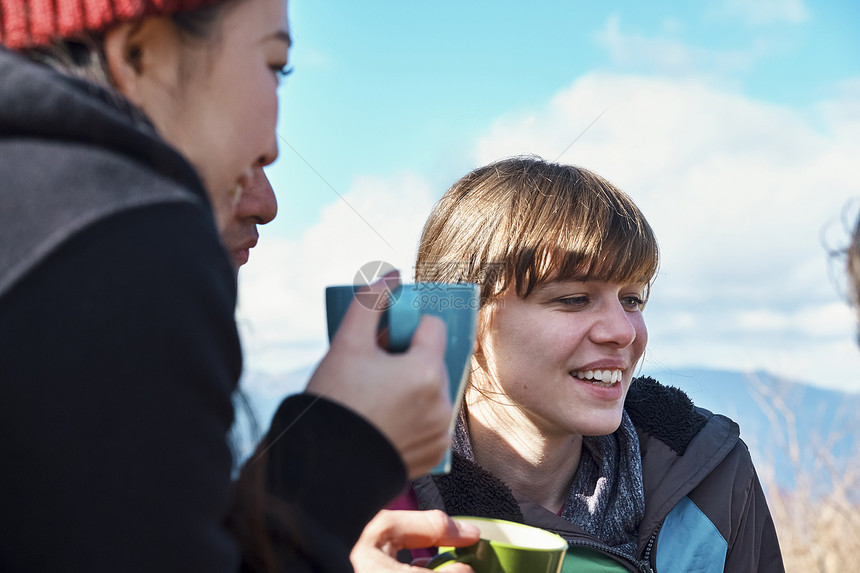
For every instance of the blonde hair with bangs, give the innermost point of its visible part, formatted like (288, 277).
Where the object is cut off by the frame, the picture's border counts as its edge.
(524, 221)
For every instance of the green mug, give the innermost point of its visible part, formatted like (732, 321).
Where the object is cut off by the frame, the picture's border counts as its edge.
(506, 547)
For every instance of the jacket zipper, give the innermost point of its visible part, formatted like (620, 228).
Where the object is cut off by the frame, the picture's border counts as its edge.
(645, 565)
(609, 550)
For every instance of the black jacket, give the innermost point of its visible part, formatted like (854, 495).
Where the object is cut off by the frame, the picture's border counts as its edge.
(704, 506)
(119, 357)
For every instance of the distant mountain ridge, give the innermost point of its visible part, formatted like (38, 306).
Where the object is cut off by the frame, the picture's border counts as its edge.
(791, 428)
(786, 424)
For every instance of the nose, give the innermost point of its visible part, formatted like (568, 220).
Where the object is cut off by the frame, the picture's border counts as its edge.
(257, 202)
(615, 326)
(270, 154)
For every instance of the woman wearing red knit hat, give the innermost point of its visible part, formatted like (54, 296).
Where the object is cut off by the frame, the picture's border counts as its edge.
(125, 125)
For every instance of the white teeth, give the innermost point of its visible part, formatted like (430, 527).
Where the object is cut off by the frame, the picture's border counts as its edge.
(605, 377)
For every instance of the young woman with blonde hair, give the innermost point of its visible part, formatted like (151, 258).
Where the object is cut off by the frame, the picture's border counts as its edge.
(556, 430)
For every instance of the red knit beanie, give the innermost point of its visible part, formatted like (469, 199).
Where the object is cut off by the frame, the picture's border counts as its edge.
(28, 23)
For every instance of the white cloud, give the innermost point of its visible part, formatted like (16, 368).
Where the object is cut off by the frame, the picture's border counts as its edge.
(627, 49)
(842, 110)
(664, 54)
(737, 190)
(765, 11)
(826, 320)
(739, 193)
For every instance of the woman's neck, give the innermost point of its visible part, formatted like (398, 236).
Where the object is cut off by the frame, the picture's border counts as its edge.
(508, 445)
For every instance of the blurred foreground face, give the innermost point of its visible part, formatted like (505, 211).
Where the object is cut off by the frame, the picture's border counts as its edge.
(256, 206)
(217, 100)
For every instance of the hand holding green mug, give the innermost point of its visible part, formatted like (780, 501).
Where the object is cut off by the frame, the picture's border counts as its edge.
(506, 547)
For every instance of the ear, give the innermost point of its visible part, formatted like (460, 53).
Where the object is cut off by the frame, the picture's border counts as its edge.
(123, 59)
(141, 56)
(486, 314)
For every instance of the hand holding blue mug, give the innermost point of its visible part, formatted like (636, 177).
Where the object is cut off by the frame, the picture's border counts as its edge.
(403, 395)
(402, 309)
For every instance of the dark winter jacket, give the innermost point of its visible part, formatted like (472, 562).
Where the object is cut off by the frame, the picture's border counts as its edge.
(704, 506)
(119, 357)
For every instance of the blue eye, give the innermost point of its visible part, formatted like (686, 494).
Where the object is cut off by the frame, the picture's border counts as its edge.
(574, 301)
(632, 302)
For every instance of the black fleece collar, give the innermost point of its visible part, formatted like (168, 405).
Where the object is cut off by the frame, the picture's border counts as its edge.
(663, 411)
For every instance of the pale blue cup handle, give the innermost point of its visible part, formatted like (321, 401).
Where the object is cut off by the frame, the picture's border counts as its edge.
(402, 318)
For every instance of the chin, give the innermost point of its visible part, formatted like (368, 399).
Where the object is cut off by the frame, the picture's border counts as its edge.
(602, 426)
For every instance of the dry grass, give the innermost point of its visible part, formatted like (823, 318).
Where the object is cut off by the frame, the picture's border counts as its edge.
(818, 521)
(821, 535)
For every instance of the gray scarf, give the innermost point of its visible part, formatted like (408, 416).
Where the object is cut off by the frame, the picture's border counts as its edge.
(607, 498)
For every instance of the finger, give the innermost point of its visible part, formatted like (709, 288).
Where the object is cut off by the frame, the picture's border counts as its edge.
(361, 320)
(453, 532)
(373, 560)
(424, 458)
(449, 568)
(430, 337)
(383, 338)
(456, 568)
(416, 529)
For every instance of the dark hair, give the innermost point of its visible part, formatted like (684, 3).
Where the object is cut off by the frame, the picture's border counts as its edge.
(84, 57)
(255, 518)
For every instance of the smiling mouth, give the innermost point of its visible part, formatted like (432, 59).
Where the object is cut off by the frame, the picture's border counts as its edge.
(605, 378)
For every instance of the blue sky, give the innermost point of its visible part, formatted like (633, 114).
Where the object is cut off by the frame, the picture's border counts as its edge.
(734, 125)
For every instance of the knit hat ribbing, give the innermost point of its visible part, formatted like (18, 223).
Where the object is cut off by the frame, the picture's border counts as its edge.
(29, 23)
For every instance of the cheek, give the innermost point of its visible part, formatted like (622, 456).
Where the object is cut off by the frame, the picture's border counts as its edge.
(259, 113)
(245, 130)
(230, 231)
(641, 340)
(257, 94)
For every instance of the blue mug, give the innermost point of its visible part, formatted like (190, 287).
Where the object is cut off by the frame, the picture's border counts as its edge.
(402, 307)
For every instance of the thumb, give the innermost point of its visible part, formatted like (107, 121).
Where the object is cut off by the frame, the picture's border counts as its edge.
(430, 337)
(360, 323)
